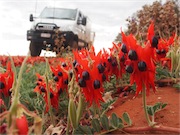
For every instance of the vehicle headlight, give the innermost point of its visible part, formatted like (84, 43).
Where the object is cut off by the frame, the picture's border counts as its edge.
(66, 28)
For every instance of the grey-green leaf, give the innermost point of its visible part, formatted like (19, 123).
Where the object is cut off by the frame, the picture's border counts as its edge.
(83, 130)
(164, 105)
(151, 110)
(96, 125)
(155, 107)
(114, 120)
(105, 122)
(120, 124)
(127, 119)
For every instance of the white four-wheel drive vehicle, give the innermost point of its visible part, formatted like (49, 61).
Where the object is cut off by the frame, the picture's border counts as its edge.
(72, 23)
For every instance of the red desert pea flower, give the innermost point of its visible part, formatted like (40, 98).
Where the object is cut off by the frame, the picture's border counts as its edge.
(113, 62)
(54, 98)
(163, 47)
(60, 76)
(140, 62)
(151, 36)
(6, 80)
(144, 71)
(89, 72)
(41, 88)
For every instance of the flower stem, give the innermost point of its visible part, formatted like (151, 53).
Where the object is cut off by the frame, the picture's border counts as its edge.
(68, 124)
(48, 91)
(15, 98)
(145, 107)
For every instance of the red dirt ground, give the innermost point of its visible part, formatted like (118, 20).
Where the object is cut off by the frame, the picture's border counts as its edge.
(169, 116)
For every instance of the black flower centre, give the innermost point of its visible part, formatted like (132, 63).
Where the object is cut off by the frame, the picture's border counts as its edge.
(132, 55)
(66, 82)
(158, 52)
(163, 51)
(2, 85)
(82, 83)
(129, 69)
(60, 73)
(60, 91)
(39, 79)
(114, 63)
(103, 77)
(64, 64)
(51, 95)
(122, 59)
(74, 63)
(142, 66)
(42, 89)
(97, 84)
(100, 68)
(109, 59)
(85, 75)
(154, 42)
(56, 79)
(123, 48)
(70, 73)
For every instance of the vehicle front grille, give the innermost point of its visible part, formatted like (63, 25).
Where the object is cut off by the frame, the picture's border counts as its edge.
(46, 26)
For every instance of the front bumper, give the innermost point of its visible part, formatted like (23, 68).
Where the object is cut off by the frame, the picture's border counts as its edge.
(40, 36)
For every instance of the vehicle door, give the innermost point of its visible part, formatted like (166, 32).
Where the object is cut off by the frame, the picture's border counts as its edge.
(81, 28)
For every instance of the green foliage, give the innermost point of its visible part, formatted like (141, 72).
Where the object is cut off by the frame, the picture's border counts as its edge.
(81, 130)
(155, 108)
(105, 105)
(174, 55)
(110, 85)
(127, 119)
(114, 120)
(32, 100)
(177, 86)
(28, 97)
(162, 72)
(104, 124)
(96, 125)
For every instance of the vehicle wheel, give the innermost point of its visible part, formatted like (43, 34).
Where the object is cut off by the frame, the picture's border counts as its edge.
(35, 49)
(75, 44)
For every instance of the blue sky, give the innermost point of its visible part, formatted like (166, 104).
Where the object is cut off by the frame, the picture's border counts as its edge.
(107, 18)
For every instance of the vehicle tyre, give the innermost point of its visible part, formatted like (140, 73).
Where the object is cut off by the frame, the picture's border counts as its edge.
(75, 44)
(35, 49)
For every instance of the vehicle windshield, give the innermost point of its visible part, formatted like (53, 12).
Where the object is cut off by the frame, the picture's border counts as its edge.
(59, 13)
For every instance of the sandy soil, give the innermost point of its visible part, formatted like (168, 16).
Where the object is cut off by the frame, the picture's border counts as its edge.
(169, 116)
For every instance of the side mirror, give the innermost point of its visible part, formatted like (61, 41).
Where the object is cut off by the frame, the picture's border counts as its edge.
(84, 21)
(79, 21)
(31, 18)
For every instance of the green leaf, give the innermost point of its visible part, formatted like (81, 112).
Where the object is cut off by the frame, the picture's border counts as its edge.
(81, 130)
(177, 86)
(105, 122)
(96, 125)
(120, 124)
(152, 110)
(164, 105)
(127, 119)
(114, 120)
(72, 113)
(155, 107)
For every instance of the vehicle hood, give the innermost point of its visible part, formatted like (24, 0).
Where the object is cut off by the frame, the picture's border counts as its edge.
(63, 24)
